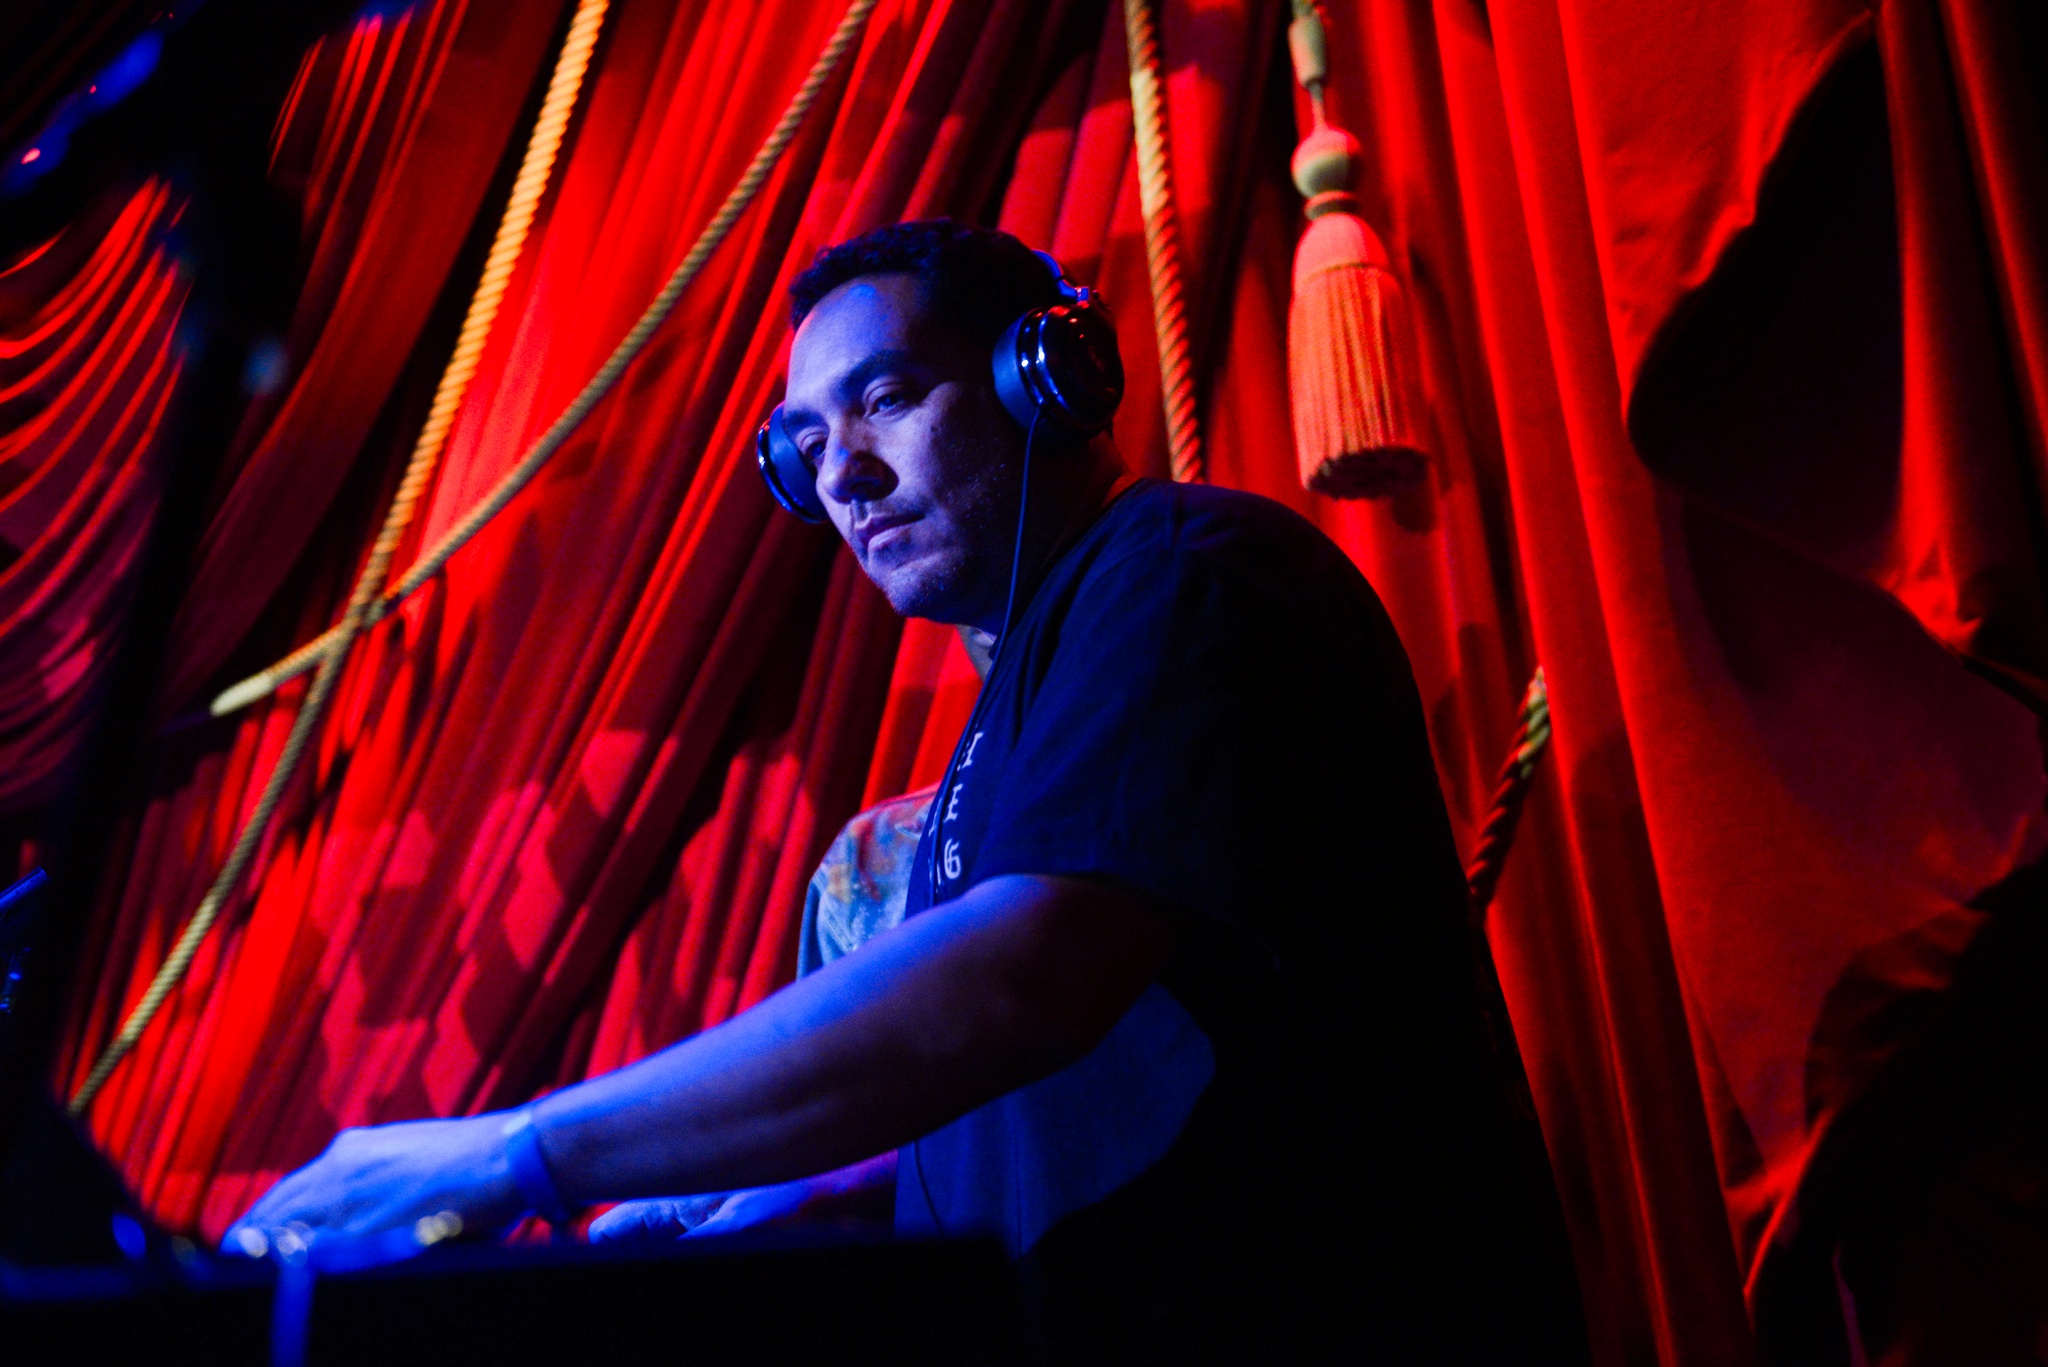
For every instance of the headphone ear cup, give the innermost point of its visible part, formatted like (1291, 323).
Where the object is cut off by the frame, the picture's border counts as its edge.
(1082, 364)
(1013, 388)
(1061, 364)
(789, 477)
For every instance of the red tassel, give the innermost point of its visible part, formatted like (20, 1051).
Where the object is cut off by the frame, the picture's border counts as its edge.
(1358, 416)
(1357, 421)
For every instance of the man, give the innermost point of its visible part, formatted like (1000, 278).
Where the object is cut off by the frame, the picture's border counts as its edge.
(1181, 1008)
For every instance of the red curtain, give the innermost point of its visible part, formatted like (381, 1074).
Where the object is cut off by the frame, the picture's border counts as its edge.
(387, 140)
(89, 362)
(564, 808)
(1762, 769)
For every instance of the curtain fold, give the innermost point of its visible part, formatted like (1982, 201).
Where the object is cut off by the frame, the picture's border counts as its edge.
(1966, 551)
(1764, 768)
(388, 140)
(89, 364)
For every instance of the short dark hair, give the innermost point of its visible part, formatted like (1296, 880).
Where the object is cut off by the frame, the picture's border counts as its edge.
(979, 280)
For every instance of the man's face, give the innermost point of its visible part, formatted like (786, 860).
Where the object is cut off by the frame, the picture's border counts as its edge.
(916, 460)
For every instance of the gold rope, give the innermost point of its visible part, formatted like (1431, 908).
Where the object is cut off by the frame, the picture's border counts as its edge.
(1162, 243)
(1532, 735)
(262, 684)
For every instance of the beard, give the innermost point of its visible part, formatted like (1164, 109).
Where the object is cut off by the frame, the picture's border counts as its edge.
(966, 578)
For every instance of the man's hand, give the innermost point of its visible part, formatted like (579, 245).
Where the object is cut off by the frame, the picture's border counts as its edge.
(863, 1192)
(667, 1218)
(391, 1176)
(658, 1218)
(761, 1208)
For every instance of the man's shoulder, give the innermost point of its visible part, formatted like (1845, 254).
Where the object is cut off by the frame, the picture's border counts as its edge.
(1213, 525)
(1201, 529)
(1195, 567)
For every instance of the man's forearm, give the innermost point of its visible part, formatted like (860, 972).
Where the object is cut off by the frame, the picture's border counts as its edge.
(1015, 979)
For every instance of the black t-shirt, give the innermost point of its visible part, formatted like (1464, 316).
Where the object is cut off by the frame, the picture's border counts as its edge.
(1297, 1135)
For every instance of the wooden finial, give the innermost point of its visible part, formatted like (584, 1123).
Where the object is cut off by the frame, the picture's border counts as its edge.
(1328, 158)
(1310, 48)
(1323, 167)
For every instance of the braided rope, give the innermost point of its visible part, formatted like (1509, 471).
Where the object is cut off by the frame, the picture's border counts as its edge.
(534, 170)
(1162, 243)
(267, 681)
(1482, 875)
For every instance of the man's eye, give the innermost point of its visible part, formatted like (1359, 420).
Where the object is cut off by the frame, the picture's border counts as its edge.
(888, 401)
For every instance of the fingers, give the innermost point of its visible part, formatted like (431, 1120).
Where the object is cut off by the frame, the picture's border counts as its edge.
(666, 1217)
(726, 1219)
(273, 1208)
(631, 1220)
(286, 1198)
(756, 1206)
(390, 1177)
(367, 1179)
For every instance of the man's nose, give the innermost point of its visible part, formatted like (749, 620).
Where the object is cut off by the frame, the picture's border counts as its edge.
(851, 471)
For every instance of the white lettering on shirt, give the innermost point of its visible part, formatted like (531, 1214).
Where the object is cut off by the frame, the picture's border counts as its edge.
(953, 802)
(952, 864)
(968, 758)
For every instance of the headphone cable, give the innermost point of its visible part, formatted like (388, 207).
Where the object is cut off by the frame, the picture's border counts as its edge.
(1017, 545)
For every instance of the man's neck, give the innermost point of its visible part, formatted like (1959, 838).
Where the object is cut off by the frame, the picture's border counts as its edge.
(1068, 492)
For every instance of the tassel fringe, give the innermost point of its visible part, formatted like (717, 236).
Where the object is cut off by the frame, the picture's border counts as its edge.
(1357, 424)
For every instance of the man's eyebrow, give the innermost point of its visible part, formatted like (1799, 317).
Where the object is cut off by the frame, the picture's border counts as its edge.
(847, 389)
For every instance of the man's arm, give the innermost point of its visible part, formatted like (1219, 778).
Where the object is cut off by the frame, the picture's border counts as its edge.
(1019, 977)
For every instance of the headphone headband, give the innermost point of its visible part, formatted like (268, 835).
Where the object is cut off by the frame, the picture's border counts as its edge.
(1057, 365)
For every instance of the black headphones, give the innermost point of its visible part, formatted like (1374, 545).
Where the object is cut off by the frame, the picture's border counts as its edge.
(1057, 367)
